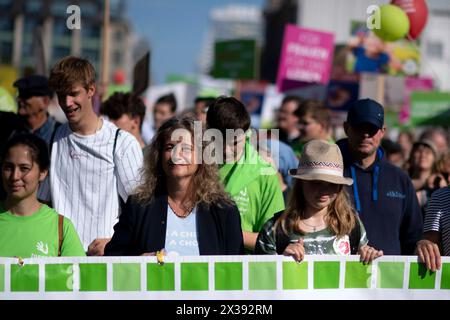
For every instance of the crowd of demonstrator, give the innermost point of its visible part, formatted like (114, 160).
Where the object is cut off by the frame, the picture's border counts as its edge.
(108, 185)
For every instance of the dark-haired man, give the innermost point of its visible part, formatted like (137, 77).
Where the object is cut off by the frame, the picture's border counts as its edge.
(252, 183)
(383, 195)
(126, 111)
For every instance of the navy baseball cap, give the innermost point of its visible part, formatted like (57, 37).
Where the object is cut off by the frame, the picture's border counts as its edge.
(33, 86)
(366, 111)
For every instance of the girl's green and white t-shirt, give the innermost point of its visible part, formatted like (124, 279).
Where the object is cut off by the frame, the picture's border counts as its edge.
(315, 243)
(36, 236)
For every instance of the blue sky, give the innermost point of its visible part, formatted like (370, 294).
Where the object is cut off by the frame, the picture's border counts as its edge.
(175, 30)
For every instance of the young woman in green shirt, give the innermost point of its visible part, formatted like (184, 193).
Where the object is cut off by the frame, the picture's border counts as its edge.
(29, 228)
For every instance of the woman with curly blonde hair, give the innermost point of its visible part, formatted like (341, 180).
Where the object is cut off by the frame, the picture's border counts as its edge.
(180, 206)
(319, 218)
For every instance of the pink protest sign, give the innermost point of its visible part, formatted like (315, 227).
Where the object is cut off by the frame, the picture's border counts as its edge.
(413, 84)
(306, 57)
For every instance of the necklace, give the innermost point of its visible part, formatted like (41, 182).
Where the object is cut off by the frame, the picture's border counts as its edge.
(184, 214)
(99, 125)
(312, 226)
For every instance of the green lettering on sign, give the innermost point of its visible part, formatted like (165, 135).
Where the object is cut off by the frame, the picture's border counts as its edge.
(236, 59)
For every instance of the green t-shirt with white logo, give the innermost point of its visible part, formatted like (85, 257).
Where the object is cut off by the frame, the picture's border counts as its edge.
(36, 236)
(253, 184)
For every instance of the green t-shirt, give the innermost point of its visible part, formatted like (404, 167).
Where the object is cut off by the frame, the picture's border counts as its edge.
(36, 236)
(315, 243)
(254, 186)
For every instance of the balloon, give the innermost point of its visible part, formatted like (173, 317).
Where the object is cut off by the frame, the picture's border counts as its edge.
(119, 76)
(394, 23)
(417, 12)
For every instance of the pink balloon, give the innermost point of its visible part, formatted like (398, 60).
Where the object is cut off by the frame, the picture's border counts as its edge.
(417, 12)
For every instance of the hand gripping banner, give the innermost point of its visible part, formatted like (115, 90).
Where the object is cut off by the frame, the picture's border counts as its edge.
(222, 278)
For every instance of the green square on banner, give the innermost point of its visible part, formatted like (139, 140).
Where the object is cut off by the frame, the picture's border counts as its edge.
(126, 277)
(2, 277)
(326, 274)
(228, 275)
(357, 274)
(93, 276)
(420, 277)
(59, 277)
(262, 275)
(390, 275)
(160, 277)
(25, 278)
(295, 275)
(194, 276)
(445, 280)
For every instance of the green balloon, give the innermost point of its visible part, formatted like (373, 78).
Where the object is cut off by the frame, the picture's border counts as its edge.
(394, 23)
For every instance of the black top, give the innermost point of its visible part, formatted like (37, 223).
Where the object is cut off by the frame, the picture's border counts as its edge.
(388, 205)
(142, 229)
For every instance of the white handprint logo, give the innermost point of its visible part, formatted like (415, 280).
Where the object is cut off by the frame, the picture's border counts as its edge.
(40, 246)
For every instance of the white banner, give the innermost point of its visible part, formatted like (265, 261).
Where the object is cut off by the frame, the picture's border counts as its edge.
(222, 278)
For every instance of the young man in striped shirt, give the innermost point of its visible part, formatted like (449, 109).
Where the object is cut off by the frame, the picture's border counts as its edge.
(93, 163)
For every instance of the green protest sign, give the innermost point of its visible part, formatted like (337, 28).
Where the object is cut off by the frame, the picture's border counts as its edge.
(236, 59)
(430, 108)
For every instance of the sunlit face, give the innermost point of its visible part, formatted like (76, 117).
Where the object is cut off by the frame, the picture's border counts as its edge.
(234, 148)
(33, 106)
(77, 103)
(287, 120)
(364, 138)
(319, 194)
(125, 122)
(161, 113)
(179, 157)
(20, 174)
(423, 157)
(309, 128)
(440, 142)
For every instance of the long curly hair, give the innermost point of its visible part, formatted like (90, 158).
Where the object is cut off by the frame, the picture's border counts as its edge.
(340, 217)
(205, 185)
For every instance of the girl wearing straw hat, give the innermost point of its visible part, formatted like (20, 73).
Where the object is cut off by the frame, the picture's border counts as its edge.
(319, 218)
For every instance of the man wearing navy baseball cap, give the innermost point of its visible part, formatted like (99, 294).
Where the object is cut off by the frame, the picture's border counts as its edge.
(382, 194)
(33, 100)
